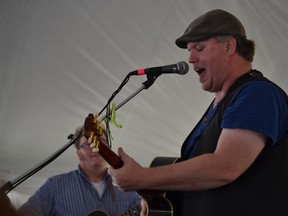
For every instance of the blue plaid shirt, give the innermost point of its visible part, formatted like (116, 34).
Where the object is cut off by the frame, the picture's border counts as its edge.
(71, 194)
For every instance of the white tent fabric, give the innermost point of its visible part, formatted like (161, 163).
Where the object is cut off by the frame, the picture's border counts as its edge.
(61, 60)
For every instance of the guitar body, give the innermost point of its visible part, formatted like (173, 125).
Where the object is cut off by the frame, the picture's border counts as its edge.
(98, 213)
(161, 203)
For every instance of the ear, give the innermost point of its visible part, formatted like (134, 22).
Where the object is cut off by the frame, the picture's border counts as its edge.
(231, 45)
(78, 153)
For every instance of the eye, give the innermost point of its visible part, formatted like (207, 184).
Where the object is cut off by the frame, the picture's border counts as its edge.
(85, 145)
(199, 47)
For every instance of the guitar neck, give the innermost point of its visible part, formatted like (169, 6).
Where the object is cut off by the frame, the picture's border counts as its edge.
(111, 157)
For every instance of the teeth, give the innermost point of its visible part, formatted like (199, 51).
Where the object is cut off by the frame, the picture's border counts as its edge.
(199, 70)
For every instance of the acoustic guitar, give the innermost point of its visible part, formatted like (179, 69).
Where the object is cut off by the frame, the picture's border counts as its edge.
(159, 202)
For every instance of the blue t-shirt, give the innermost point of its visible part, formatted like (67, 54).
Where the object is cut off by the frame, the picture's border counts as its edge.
(259, 106)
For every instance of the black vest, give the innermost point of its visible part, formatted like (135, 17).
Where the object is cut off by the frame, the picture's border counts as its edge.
(261, 191)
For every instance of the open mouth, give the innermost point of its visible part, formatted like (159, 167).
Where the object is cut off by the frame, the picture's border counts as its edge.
(199, 70)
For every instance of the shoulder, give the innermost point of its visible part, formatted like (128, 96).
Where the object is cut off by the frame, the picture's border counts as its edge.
(69, 176)
(255, 79)
(262, 91)
(261, 85)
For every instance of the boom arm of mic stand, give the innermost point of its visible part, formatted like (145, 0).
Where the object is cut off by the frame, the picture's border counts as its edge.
(10, 185)
(145, 85)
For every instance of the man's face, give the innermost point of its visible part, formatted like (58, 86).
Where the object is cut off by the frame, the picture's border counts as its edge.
(210, 62)
(87, 156)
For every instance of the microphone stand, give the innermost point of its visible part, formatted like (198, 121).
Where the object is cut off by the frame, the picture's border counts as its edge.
(10, 185)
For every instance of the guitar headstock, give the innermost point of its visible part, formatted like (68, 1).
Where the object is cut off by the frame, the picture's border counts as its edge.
(94, 131)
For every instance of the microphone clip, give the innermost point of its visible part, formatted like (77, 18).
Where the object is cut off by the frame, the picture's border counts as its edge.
(150, 80)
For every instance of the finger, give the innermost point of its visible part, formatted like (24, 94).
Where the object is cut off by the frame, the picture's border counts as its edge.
(120, 151)
(114, 184)
(143, 207)
(110, 171)
(122, 154)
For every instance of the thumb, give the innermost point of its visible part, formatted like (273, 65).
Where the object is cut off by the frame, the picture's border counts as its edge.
(121, 153)
(124, 157)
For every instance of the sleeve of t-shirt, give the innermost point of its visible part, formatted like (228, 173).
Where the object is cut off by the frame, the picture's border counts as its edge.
(259, 106)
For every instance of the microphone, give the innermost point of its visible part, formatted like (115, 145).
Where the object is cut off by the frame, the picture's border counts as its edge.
(179, 68)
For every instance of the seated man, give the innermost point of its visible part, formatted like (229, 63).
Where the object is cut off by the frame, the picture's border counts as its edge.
(87, 190)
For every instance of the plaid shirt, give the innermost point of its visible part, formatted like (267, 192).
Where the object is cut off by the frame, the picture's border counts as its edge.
(71, 194)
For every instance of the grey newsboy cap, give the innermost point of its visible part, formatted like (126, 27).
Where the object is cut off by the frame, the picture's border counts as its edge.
(213, 23)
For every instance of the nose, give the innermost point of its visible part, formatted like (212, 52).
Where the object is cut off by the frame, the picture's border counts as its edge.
(192, 57)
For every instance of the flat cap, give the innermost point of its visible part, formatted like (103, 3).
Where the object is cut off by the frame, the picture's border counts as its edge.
(213, 23)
